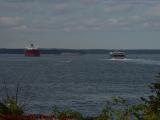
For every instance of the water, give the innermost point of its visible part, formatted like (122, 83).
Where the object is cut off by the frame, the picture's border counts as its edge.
(82, 83)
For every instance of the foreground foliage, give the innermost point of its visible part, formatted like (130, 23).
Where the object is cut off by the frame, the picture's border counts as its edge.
(116, 109)
(119, 108)
(9, 106)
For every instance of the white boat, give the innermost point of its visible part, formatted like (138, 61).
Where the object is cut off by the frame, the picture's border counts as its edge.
(117, 55)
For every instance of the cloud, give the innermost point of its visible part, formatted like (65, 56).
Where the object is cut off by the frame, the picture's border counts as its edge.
(117, 8)
(135, 23)
(72, 15)
(132, 1)
(88, 1)
(154, 10)
(129, 23)
(18, 1)
(21, 27)
(7, 22)
(43, 1)
(152, 24)
(60, 7)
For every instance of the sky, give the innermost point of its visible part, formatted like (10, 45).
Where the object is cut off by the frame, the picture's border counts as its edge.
(80, 24)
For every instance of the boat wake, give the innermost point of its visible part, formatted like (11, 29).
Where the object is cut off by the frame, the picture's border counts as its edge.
(115, 59)
(145, 61)
(137, 61)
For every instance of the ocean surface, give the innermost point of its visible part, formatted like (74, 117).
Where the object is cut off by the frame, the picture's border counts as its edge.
(83, 83)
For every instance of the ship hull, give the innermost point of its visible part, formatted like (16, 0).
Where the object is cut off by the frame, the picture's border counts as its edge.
(118, 56)
(32, 53)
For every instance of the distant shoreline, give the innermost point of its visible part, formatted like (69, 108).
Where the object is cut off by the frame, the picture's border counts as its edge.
(79, 51)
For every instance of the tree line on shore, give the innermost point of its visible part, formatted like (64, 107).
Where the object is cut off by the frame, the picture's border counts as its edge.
(59, 51)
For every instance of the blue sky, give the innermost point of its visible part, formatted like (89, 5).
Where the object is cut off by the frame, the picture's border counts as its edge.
(99, 24)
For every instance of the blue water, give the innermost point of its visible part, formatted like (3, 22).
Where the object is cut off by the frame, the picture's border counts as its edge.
(82, 83)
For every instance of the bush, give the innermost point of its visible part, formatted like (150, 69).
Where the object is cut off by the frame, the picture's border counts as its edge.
(10, 106)
(119, 108)
(63, 114)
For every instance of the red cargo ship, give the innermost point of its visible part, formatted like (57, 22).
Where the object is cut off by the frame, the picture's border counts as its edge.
(32, 51)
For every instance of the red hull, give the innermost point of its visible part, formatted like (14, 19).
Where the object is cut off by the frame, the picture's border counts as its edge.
(32, 52)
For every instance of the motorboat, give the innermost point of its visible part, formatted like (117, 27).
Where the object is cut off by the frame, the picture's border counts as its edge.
(117, 55)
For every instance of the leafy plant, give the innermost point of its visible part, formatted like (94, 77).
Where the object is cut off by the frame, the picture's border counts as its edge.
(119, 109)
(63, 114)
(152, 110)
(10, 106)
